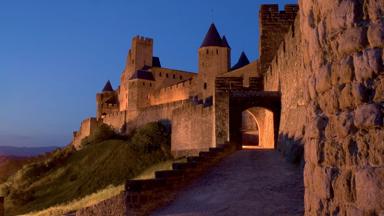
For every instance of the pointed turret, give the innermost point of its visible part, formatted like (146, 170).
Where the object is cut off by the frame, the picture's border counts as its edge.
(108, 87)
(212, 38)
(243, 60)
(225, 42)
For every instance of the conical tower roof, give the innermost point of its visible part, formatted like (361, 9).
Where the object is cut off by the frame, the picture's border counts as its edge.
(225, 42)
(243, 60)
(212, 38)
(108, 87)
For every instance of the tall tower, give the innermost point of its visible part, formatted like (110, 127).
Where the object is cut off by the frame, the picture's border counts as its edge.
(139, 55)
(214, 59)
(274, 25)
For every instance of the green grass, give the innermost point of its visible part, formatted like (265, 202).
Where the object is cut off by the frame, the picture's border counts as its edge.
(69, 175)
(106, 193)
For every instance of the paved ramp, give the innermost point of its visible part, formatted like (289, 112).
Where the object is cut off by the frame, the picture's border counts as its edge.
(249, 182)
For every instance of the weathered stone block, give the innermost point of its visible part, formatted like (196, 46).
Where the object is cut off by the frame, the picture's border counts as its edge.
(344, 124)
(344, 187)
(346, 99)
(352, 210)
(311, 88)
(312, 151)
(334, 153)
(367, 115)
(328, 101)
(359, 93)
(321, 182)
(342, 16)
(376, 34)
(352, 40)
(379, 92)
(342, 72)
(370, 188)
(375, 9)
(367, 63)
(323, 79)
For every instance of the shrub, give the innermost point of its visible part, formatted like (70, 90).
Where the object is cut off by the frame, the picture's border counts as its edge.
(152, 137)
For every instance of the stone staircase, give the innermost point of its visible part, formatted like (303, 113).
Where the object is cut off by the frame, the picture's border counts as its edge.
(143, 196)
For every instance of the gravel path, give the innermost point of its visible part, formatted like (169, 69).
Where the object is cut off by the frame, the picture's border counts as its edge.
(248, 182)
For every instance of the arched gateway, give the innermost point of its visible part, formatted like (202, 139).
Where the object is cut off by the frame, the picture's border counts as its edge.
(234, 102)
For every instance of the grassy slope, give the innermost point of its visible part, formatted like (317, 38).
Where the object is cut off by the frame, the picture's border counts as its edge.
(101, 195)
(84, 172)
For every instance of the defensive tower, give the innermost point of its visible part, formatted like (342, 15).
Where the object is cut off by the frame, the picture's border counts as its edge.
(274, 25)
(139, 56)
(214, 59)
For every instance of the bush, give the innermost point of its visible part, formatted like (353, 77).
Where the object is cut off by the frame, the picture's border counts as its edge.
(152, 137)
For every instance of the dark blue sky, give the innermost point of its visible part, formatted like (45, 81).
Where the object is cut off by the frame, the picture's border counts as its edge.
(56, 54)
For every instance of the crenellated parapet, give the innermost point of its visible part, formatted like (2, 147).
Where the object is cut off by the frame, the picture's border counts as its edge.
(274, 25)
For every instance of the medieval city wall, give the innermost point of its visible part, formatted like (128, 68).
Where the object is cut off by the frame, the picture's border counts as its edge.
(176, 92)
(331, 77)
(192, 129)
(161, 112)
(287, 75)
(165, 77)
(116, 119)
(87, 126)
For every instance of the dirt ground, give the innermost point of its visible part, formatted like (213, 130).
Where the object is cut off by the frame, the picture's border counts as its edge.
(248, 182)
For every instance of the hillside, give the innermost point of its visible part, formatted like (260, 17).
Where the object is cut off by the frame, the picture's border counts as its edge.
(67, 174)
(9, 165)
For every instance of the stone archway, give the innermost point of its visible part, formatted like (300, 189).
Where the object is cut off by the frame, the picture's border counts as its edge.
(264, 106)
(257, 128)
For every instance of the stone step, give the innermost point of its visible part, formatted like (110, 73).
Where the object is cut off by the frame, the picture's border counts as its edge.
(166, 174)
(143, 184)
(193, 159)
(183, 166)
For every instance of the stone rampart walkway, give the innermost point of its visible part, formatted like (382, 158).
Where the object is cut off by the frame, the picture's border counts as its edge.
(249, 182)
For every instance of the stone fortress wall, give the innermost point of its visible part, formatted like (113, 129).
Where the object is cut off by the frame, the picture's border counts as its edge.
(179, 91)
(329, 70)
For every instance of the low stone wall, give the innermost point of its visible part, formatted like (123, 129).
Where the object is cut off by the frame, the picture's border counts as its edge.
(141, 197)
(115, 206)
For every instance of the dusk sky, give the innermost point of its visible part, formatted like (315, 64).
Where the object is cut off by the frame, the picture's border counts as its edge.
(56, 54)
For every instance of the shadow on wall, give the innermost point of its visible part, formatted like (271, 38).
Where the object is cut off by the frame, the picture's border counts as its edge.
(291, 148)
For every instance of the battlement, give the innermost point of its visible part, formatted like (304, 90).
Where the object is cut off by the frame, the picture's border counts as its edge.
(274, 9)
(274, 25)
(142, 40)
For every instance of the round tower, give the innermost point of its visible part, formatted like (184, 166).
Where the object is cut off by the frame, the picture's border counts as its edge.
(214, 59)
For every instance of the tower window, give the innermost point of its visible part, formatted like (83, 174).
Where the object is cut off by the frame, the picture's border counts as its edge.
(166, 75)
(205, 85)
(207, 51)
(181, 77)
(143, 83)
(150, 84)
(174, 76)
(217, 51)
(160, 74)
